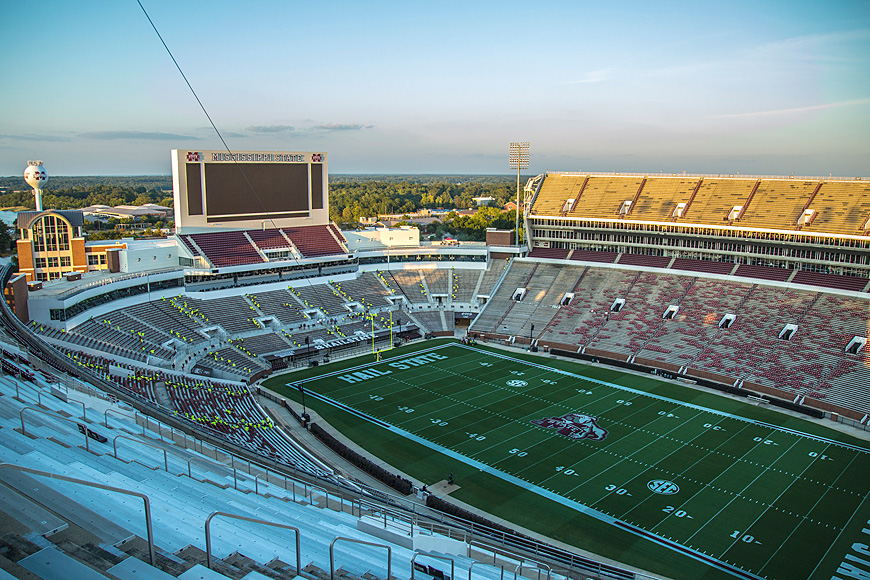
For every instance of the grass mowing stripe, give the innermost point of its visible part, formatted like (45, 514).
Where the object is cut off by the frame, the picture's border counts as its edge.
(684, 404)
(653, 466)
(771, 503)
(682, 475)
(736, 496)
(473, 462)
(784, 542)
(837, 539)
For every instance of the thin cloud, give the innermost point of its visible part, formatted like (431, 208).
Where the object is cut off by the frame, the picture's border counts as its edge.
(270, 128)
(139, 135)
(342, 127)
(46, 138)
(792, 111)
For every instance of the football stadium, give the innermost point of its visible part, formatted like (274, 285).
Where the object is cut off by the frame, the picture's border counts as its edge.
(668, 378)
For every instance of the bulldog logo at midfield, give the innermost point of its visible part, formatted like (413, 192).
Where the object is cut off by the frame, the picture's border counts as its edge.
(575, 426)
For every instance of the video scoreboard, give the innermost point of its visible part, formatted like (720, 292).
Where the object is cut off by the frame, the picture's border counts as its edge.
(247, 189)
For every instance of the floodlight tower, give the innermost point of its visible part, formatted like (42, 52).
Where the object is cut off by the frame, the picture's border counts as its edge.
(519, 159)
(36, 176)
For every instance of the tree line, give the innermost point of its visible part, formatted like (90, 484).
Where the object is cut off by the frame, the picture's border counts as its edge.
(80, 196)
(351, 197)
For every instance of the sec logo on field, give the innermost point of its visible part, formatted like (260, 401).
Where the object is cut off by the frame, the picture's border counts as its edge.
(663, 486)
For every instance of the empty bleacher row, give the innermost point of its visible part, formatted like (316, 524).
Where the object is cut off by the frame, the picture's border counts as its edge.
(234, 248)
(841, 207)
(812, 362)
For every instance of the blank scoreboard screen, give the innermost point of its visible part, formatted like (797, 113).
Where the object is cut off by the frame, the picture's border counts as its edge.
(218, 187)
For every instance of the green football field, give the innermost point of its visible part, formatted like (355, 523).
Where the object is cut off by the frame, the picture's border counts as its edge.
(702, 484)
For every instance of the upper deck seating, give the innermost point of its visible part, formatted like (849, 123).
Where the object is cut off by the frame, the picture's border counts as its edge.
(604, 195)
(644, 260)
(715, 199)
(777, 204)
(556, 190)
(703, 266)
(843, 207)
(763, 272)
(270, 239)
(660, 195)
(593, 256)
(852, 283)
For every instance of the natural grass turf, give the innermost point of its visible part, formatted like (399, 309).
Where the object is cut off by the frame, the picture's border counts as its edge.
(642, 445)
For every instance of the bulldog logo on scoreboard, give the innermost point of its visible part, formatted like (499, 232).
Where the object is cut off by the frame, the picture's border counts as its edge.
(574, 426)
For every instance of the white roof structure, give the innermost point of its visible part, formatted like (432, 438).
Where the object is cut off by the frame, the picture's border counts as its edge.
(127, 211)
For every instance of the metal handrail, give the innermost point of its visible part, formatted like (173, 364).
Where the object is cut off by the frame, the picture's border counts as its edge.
(116, 411)
(50, 414)
(195, 458)
(82, 403)
(165, 456)
(254, 521)
(354, 541)
(151, 551)
(538, 565)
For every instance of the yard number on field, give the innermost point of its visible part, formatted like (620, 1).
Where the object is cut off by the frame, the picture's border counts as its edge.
(669, 509)
(749, 539)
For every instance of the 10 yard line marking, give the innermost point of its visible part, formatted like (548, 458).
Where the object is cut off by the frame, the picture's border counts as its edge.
(809, 511)
(766, 468)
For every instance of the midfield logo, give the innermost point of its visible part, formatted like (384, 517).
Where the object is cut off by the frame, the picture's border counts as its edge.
(574, 426)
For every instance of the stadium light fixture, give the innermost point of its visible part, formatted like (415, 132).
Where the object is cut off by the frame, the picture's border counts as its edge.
(519, 159)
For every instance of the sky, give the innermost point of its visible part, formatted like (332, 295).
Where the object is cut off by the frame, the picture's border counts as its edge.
(762, 87)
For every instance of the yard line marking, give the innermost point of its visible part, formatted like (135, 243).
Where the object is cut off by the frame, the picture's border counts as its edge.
(653, 440)
(551, 495)
(681, 403)
(837, 539)
(785, 541)
(704, 486)
(742, 491)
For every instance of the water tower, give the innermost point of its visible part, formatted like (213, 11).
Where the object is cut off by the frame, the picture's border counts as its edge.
(35, 176)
